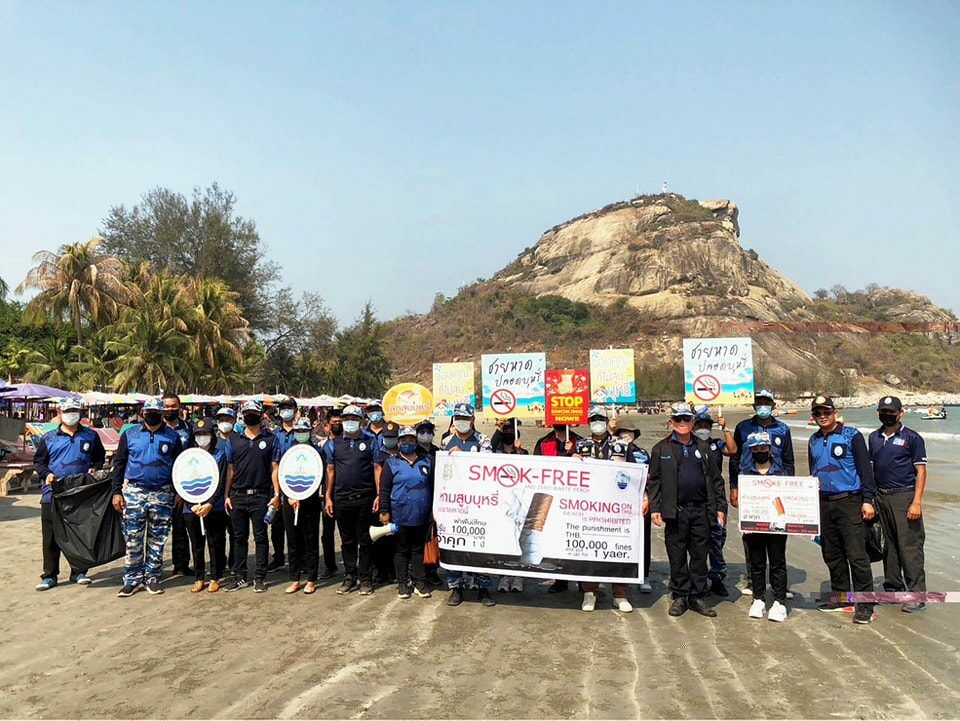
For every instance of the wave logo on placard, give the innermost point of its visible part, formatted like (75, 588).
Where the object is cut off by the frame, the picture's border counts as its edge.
(623, 480)
(299, 484)
(198, 485)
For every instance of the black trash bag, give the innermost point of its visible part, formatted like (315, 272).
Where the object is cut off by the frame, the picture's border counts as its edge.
(87, 529)
(875, 539)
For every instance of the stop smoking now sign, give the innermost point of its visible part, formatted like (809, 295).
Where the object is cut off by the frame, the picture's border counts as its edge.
(567, 397)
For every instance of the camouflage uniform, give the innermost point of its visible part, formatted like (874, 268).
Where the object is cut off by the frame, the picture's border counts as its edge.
(147, 517)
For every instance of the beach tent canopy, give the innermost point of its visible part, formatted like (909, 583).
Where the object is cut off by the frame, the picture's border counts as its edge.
(35, 391)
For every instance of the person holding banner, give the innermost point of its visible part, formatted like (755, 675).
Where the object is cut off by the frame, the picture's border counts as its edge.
(560, 441)
(766, 546)
(406, 500)
(179, 539)
(509, 442)
(213, 514)
(603, 446)
(686, 494)
(722, 448)
(301, 519)
(839, 458)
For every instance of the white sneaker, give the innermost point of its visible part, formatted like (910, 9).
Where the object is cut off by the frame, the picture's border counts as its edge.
(622, 605)
(516, 585)
(646, 588)
(504, 585)
(589, 601)
(789, 595)
(778, 612)
(746, 591)
(757, 608)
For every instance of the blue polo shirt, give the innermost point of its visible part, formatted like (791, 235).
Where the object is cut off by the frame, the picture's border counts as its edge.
(895, 458)
(145, 458)
(406, 489)
(185, 431)
(471, 443)
(62, 455)
(285, 439)
(781, 446)
(252, 460)
(841, 462)
(352, 460)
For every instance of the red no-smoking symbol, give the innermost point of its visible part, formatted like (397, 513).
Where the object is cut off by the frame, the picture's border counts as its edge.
(706, 387)
(503, 401)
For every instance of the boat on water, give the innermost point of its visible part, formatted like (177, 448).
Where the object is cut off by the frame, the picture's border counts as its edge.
(935, 413)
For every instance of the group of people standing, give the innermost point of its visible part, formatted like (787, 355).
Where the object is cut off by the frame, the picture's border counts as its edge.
(376, 472)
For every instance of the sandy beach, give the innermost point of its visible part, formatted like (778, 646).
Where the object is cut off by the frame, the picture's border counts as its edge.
(82, 652)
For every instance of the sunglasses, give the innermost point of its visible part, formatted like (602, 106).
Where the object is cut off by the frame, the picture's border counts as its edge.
(682, 419)
(823, 413)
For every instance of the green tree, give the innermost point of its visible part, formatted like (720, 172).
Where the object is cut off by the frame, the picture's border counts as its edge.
(202, 236)
(299, 347)
(78, 283)
(362, 367)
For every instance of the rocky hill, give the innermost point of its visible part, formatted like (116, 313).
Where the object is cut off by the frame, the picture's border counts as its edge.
(647, 272)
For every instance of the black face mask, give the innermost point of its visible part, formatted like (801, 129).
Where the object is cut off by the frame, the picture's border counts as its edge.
(336, 429)
(888, 421)
(508, 439)
(152, 418)
(171, 414)
(252, 419)
(761, 456)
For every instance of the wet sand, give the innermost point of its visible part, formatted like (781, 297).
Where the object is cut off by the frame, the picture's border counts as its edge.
(82, 652)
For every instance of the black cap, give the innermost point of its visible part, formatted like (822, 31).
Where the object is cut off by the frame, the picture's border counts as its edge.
(822, 402)
(334, 412)
(204, 425)
(890, 403)
(426, 426)
(290, 402)
(391, 430)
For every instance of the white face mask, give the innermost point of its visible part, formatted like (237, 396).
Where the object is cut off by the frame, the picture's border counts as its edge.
(301, 437)
(225, 427)
(351, 426)
(703, 434)
(287, 414)
(424, 439)
(598, 428)
(70, 419)
(203, 441)
(462, 426)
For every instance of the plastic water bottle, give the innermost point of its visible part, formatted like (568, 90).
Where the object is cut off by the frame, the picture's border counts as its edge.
(271, 512)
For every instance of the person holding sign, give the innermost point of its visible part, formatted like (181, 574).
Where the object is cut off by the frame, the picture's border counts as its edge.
(406, 500)
(839, 458)
(213, 533)
(301, 516)
(686, 493)
(764, 546)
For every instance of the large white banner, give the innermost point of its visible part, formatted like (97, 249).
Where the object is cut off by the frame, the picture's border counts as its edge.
(540, 516)
(780, 504)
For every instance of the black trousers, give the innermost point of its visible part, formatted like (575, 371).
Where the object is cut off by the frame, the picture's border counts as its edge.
(215, 524)
(647, 540)
(687, 538)
(231, 555)
(180, 543)
(303, 538)
(903, 544)
(843, 544)
(51, 551)
(408, 560)
(384, 552)
(353, 522)
(766, 547)
(328, 528)
(277, 535)
(249, 511)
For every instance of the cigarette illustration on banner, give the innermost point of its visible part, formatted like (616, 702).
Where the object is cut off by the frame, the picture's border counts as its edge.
(780, 522)
(529, 520)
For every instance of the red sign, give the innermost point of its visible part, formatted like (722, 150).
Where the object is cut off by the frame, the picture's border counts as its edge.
(706, 387)
(568, 397)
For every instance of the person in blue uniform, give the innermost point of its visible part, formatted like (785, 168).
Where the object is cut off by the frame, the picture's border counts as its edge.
(212, 512)
(143, 493)
(899, 457)
(351, 495)
(287, 414)
(406, 499)
(631, 437)
(303, 537)
(385, 549)
(333, 427)
(68, 449)
(180, 539)
(839, 458)
(226, 419)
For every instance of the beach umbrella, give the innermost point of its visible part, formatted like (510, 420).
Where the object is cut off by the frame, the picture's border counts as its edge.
(35, 391)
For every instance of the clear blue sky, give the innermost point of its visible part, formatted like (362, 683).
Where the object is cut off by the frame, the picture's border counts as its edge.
(447, 137)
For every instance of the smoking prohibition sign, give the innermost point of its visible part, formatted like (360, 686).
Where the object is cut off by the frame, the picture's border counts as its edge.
(503, 401)
(706, 387)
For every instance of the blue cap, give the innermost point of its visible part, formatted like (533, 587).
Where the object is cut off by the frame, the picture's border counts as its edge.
(763, 393)
(464, 409)
(761, 438)
(597, 412)
(352, 410)
(702, 413)
(251, 406)
(69, 404)
(226, 411)
(153, 404)
(302, 424)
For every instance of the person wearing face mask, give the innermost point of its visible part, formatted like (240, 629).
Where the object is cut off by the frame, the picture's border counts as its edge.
(899, 457)
(143, 493)
(251, 489)
(406, 499)
(631, 438)
(604, 446)
(560, 441)
(839, 458)
(180, 540)
(303, 537)
(226, 419)
(212, 512)
(686, 493)
(763, 420)
(426, 432)
(384, 550)
(373, 423)
(287, 414)
(68, 449)
(509, 442)
(333, 428)
(351, 495)
(764, 546)
(721, 448)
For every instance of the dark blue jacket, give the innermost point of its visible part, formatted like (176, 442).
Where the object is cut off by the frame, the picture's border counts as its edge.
(145, 457)
(63, 455)
(406, 490)
(842, 463)
(781, 447)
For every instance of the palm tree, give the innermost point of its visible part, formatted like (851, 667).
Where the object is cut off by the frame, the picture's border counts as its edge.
(150, 352)
(218, 325)
(49, 363)
(3, 289)
(13, 359)
(78, 282)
